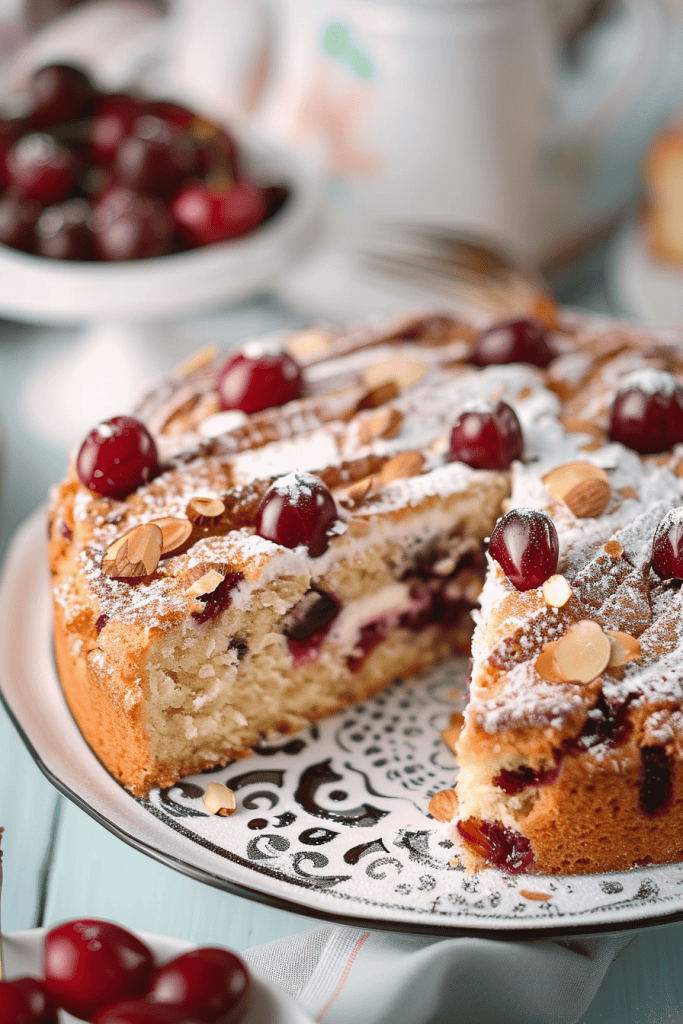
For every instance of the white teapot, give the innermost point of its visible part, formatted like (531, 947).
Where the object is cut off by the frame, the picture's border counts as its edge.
(464, 113)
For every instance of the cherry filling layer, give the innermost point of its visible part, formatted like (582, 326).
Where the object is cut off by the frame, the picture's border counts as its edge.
(656, 779)
(219, 599)
(499, 846)
(308, 625)
(515, 780)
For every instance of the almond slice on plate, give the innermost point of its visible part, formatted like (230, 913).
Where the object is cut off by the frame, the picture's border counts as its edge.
(583, 652)
(444, 805)
(219, 799)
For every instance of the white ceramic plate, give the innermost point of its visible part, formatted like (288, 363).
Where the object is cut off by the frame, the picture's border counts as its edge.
(645, 288)
(268, 1005)
(40, 290)
(330, 823)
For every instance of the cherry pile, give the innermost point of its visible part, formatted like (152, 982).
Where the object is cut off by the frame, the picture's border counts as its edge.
(100, 972)
(95, 176)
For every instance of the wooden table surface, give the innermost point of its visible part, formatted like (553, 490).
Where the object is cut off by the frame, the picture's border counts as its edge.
(59, 863)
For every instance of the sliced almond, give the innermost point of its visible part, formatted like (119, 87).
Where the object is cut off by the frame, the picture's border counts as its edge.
(531, 894)
(629, 492)
(135, 554)
(583, 488)
(304, 344)
(583, 652)
(592, 446)
(383, 423)
(444, 805)
(358, 527)
(404, 371)
(359, 490)
(556, 591)
(545, 665)
(174, 533)
(206, 584)
(451, 735)
(197, 360)
(202, 511)
(614, 549)
(576, 426)
(378, 396)
(220, 800)
(445, 566)
(623, 648)
(678, 469)
(402, 466)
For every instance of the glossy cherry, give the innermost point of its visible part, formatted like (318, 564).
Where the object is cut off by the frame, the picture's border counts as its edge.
(525, 545)
(142, 1011)
(116, 457)
(155, 157)
(499, 846)
(209, 983)
(59, 93)
(63, 232)
(512, 341)
(252, 381)
(487, 436)
(41, 168)
(25, 1001)
(128, 225)
(112, 120)
(8, 137)
(88, 964)
(647, 412)
(667, 546)
(297, 509)
(207, 213)
(18, 221)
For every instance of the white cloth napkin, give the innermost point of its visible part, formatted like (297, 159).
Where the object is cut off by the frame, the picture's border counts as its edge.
(349, 976)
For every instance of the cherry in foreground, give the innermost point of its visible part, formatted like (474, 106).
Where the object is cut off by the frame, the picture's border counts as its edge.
(525, 545)
(667, 546)
(297, 510)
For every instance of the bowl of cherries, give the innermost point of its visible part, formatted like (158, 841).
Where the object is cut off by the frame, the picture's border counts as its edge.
(121, 207)
(98, 971)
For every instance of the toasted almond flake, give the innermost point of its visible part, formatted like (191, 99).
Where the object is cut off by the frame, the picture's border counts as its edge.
(623, 648)
(358, 490)
(204, 510)
(582, 653)
(445, 566)
(545, 666)
(197, 360)
(576, 426)
(220, 800)
(444, 805)
(206, 584)
(304, 344)
(403, 371)
(524, 393)
(383, 423)
(441, 446)
(531, 894)
(451, 735)
(402, 466)
(592, 446)
(678, 469)
(135, 554)
(358, 527)
(545, 309)
(627, 492)
(376, 397)
(583, 488)
(556, 591)
(614, 549)
(174, 533)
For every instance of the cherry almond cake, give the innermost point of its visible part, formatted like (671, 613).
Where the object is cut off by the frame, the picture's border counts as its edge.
(275, 535)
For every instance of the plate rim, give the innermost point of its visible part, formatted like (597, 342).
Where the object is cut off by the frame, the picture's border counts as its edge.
(27, 529)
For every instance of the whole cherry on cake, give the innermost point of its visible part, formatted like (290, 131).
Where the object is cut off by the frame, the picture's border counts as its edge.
(667, 546)
(647, 412)
(521, 340)
(117, 456)
(256, 379)
(487, 436)
(525, 545)
(297, 509)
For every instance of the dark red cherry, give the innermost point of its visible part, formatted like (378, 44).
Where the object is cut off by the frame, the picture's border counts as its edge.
(297, 509)
(112, 120)
(63, 232)
(252, 382)
(487, 436)
(176, 115)
(18, 221)
(500, 847)
(9, 134)
(525, 545)
(647, 412)
(512, 341)
(116, 457)
(210, 983)
(41, 168)
(88, 964)
(142, 1011)
(204, 213)
(59, 93)
(128, 225)
(667, 546)
(25, 1001)
(155, 157)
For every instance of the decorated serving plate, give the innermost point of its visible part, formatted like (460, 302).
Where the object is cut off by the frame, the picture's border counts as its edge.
(331, 823)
